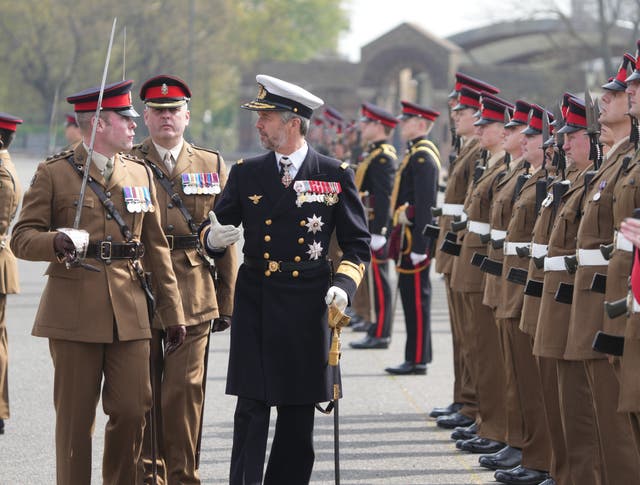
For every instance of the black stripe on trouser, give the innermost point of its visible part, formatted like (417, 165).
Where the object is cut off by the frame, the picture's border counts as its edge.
(415, 291)
(382, 297)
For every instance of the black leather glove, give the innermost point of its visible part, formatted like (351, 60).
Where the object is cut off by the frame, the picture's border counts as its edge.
(221, 323)
(63, 245)
(175, 338)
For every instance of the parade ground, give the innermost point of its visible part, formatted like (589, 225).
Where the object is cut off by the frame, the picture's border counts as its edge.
(386, 435)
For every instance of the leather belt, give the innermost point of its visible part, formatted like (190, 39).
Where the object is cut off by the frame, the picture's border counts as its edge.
(452, 209)
(273, 266)
(591, 257)
(107, 250)
(622, 243)
(538, 250)
(189, 241)
(498, 235)
(554, 263)
(510, 247)
(481, 228)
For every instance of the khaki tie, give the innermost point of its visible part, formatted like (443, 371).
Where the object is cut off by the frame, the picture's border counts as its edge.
(168, 161)
(285, 175)
(108, 169)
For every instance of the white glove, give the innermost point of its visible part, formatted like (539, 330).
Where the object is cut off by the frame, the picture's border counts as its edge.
(221, 236)
(338, 297)
(377, 241)
(417, 258)
(403, 219)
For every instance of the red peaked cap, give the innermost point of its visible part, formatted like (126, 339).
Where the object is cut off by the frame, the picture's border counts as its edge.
(520, 114)
(372, 112)
(464, 80)
(165, 91)
(410, 109)
(116, 97)
(9, 122)
(493, 109)
(534, 126)
(619, 82)
(576, 117)
(469, 98)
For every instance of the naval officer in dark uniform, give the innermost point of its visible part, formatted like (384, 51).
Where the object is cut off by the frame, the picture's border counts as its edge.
(289, 201)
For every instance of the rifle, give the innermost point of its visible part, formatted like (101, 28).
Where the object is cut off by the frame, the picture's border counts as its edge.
(481, 166)
(543, 183)
(593, 130)
(521, 180)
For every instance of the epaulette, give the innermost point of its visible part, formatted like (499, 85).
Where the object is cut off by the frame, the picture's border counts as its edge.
(59, 156)
(141, 147)
(240, 162)
(205, 149)
(389, 150)
(344, 165)
(130, 157)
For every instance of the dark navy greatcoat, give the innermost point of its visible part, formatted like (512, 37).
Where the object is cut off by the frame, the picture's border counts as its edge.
(279, 333)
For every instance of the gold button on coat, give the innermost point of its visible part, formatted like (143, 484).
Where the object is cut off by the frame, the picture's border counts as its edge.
(267, 238)
(268, 222)
(301, 240)
(266, 255)
(295, 274)
(297, 259)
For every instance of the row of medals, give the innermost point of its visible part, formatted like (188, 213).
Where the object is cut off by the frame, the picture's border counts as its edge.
(200, 183)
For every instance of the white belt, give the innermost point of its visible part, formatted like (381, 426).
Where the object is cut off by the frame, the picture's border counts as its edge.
(510, 247)
(622, 243)
(591, 257)
(555, 263)
(482, 228)
(498, 235)
(538, 250)
(452, 209)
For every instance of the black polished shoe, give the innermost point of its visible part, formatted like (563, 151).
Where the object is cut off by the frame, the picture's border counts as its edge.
(1, 426)
(454, 420)
(407, 368)
(520, 476)
(360, 325)
(454, 407)
(507, 458)
(481, 445)
(467, 433)
(370, 343)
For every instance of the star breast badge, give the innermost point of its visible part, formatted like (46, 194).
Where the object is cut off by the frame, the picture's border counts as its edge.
(315, 250)
(314, 224)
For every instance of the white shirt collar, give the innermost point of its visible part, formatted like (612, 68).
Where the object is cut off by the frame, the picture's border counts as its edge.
(98, 158)
(175, 151)
(296, 158)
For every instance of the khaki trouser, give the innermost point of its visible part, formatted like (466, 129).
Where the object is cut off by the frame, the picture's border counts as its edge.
(480, 335)
(578, 423)
(4, 360)
(619, 455)
(178, 381)
(126, 396)
(559, 469)
(522, 372)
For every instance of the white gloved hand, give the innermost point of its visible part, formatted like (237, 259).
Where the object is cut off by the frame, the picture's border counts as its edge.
(417, 258)
(221, 236)
(377, 241)
(403, 219)
(338, 297)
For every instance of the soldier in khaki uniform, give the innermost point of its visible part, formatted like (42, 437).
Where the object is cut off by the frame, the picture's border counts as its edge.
(501, 207)
(97, 322)
(520, 366)
(479, 329)
(10, 194)
(460, 176)
(621, 462)
(577, 148)
(194, 176)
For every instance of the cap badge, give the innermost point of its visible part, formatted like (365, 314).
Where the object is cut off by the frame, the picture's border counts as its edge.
(262, 92)
(164, 89)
